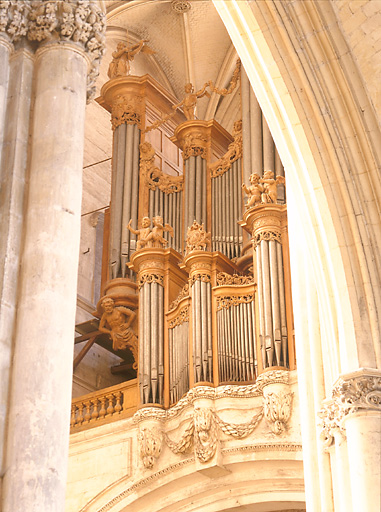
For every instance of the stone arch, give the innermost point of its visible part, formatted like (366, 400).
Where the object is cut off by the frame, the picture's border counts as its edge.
(326, 132)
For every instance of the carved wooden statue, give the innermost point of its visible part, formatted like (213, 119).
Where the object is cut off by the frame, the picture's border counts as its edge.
(114, 322)
(262, 190)
(189, 101)
(142, 233)
(123, 55)
(254, 191)
(148, 237)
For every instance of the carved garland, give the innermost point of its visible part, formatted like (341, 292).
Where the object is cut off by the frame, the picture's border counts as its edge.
(266, 236)
(150, 278)
(80, 22)
(223, 279)
(228, 301)
(183, 316)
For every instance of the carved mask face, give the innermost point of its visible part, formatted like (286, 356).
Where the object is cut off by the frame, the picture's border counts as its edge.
(108, 305)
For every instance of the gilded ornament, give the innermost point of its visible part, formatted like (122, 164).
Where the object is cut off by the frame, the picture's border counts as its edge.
(153, 176)
(228, 301)
(195, 144)
(124, 55)
(114, 323)
(184, 292)
(183, 316)
(224, 279)
(262, 190)
(266, 236)
(126, 110)
(197, 238)
(200, 276)
(150, 278)
(233, 153)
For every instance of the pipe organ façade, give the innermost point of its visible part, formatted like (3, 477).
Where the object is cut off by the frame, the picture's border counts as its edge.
(206, 275)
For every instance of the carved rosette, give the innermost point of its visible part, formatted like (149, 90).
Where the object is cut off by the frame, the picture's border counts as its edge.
(80, 22)
(150, 442)
(127, 109)
(352, 394)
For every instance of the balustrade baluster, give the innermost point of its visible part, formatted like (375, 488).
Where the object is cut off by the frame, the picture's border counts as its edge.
(110, 408)
(102, 412)
(95, 412)
(87, 416)
(118, 405)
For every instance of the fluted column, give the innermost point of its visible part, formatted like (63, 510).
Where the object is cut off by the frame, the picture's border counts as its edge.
(40, 397)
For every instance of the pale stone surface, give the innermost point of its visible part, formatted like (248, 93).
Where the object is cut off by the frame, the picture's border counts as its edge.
(40, 398)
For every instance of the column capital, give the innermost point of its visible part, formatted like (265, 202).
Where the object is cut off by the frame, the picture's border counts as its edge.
(354, 393)
(79, 22)
(264, 219)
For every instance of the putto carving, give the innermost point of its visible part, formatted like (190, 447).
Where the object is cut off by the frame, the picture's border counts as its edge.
(150, 442)
(126, 110)
(233, 153)
(197, 238)
(189, 101)
(184, 292)
(153, 176)
(114, 323)
(262, 190)
(123, 55)
(148, 237)
(266, 236)
(224, 279)
(277, 410)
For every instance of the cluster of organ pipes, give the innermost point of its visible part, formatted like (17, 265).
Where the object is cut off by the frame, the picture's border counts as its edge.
(202, 330)
(195, 202)
(178, 340)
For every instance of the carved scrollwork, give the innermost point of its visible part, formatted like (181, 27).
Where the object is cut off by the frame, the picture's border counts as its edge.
(197, 238)
(153, 176)
(182, 317)
(126, 110)
(228, 301)
(223, 279)
(195, 144)
(150, 278)
(266, 236)
(277, 410)
(199, 276)
(233, 153)
(150, 442)
(184, 292)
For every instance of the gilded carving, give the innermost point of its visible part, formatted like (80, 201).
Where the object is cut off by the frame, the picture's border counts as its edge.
(277, 410)
(126, 110)
(228, 301)
(197, 238)
(199, 276)
(224, 279)
(233, 153)
(184, 292)
(266, 236)
(148, 237)
(150, 442)
(183, 316)
(153, 176)
(114, 323)
(150, 278)
(123, 55)
(262, 190)
(195, 144)
(189, 101)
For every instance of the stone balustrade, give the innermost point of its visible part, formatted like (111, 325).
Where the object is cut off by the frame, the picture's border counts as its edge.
(104, 406)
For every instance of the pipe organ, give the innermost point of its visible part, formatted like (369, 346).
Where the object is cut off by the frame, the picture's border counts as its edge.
(207, 275)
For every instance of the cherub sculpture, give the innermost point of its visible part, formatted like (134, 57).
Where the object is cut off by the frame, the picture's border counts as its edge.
(254, 191)
(156, 235)
(269, 183)
(142, 233)
(123, 55)
(189, 101)
(116, 321)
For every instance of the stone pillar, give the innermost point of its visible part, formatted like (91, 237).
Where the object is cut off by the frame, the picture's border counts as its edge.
(40, 397)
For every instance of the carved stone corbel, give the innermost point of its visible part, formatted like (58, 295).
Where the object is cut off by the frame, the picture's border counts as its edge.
(277, 399)
(150, 443)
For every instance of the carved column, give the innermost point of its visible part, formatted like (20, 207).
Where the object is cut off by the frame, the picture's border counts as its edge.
(267, 223)
(39, 413)
(353, 417)
(200, 141)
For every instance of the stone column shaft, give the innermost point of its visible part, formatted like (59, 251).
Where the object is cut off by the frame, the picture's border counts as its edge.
(12, 183)
(38, 432)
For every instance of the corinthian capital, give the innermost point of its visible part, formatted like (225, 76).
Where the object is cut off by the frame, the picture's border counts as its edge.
(80, 22)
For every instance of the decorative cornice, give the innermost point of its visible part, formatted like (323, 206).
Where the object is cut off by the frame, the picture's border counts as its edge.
(79, 22)
(353, 393)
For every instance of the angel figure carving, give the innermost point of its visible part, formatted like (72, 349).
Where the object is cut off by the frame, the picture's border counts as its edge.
(156, 235)
(123, 55)
(255, 190)
(189, 101)
(116, 321)
(269, 183)
(142, 233)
